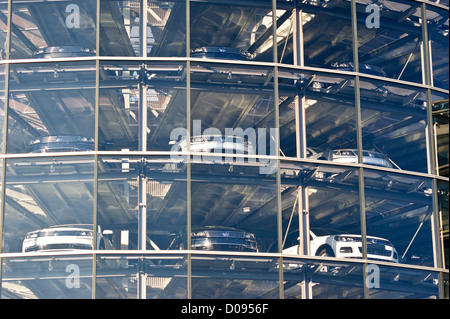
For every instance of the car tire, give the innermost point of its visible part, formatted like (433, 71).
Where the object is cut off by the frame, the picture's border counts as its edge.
(325, 251)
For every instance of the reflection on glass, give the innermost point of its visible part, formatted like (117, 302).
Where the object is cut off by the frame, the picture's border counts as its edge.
(51, 107)
(52, 277)
(234, 101)
(443, 192)
(3, 26)
(322, 280)
(52, 26)
(327, 32)
(439, 104)
(231, 211)
(127, 186)
(390, 37)
(45, 192)
(165, 30)
(399, 208)
(393, 123)
(330, 197)
(398, 283)
(233, 26)
(233, 277)
(438, 30)
(121, 93)
(120, 276)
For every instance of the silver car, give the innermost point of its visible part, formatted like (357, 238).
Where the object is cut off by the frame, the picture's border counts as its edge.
(351, 156)
(216, 144)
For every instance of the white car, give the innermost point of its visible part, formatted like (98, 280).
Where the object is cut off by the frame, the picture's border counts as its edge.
(347, 246)
(216, 143)
(65, 237)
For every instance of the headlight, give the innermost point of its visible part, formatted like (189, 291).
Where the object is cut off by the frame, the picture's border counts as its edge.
(32, 235)
(200, 234)
(346, 238)
(84, 233)
(249, 235)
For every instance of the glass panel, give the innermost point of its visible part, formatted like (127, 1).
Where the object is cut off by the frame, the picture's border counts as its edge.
(329, 197)
(51, 107)
(119, 276)
(399, 209)
(325, 279)
(53, 29)
(165, 86)
(51, 277)
(2, 104)
(394, 125)
(234, 277)
(3, 27)
(124, 181)
(120, 33)
(232, 101)
(437, 21)
(439, 104)
(399, 283)
(49, 204)
(390, 39)
(231, 30)
(234, 208)
(443, 215)
(327, 34)
(319, 94)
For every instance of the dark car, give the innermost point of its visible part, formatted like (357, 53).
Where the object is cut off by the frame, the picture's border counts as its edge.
(363, 68)
(61, 143)
(213, 52)
(63, 52)
(217, 238)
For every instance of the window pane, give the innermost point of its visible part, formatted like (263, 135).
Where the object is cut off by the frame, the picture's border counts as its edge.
(394, 124)
(326, 279)
(234, 277)
(120, 33)
(165, 88)
(51, 277)
(438, 35)
(399, 209)
(327, 33)
(43, 29)
(221, 30)
(49, 204)
(51, 107)
(329, 196)
(233, 208)
(399, 283)
(439, 104)
(123, 183)
(390, 38)
(119, 276)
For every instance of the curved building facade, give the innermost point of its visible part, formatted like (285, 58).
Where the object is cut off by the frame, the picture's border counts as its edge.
(271, 149)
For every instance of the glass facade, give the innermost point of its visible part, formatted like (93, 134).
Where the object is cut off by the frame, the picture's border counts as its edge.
(269, 149)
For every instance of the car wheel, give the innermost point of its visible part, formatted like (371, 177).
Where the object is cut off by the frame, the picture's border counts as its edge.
(325, 252)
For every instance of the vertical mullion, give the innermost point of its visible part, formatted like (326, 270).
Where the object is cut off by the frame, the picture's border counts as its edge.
(188, 159)
(96, 113)
(361, 192)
